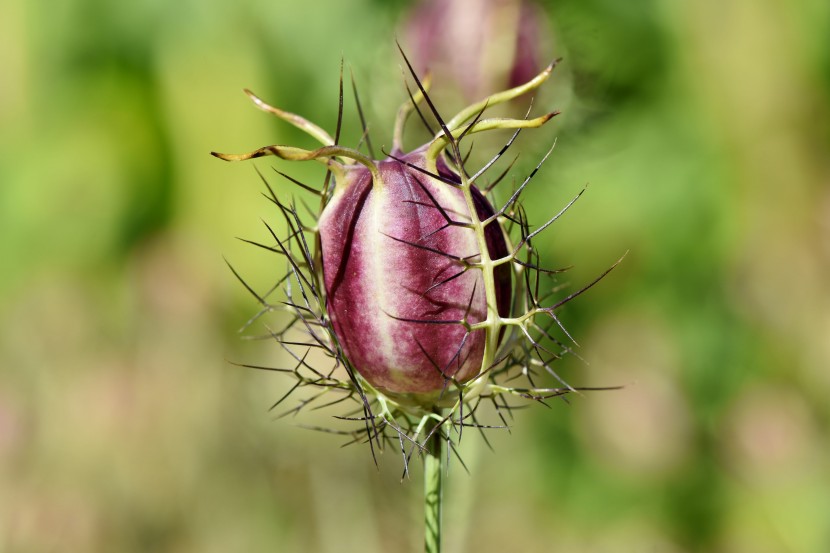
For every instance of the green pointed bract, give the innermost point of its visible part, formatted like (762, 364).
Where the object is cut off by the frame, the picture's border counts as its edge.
(410, 282)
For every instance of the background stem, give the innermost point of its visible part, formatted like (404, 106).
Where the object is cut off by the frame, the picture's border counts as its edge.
(434, 468)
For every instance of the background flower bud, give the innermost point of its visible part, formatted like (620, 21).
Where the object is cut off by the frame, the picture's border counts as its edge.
(479, 45)
(396, 281)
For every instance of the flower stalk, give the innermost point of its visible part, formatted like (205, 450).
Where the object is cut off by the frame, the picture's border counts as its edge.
(435, 468)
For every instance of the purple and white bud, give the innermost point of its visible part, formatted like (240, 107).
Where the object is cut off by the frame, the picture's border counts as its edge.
(399, 292)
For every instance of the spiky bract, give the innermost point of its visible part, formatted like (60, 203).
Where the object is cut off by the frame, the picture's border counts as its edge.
(404, 282)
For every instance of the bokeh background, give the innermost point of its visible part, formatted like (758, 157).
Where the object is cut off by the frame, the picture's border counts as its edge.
(702, 129)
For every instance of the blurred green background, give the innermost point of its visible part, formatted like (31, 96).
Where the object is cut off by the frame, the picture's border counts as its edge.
(703, 129)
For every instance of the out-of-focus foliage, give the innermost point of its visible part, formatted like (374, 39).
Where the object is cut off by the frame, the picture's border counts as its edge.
(702, 129)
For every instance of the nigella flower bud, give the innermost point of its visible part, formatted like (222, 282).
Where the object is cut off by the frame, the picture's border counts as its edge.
(395, 247)
(413, 285)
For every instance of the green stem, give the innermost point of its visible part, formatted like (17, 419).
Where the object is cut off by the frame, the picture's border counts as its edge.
(434, 469)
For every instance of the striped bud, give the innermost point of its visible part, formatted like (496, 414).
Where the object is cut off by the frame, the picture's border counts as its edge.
(396, 249)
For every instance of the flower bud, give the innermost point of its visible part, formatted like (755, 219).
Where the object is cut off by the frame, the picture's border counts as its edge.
(478, 45)
(412, 283)
(399, 293)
